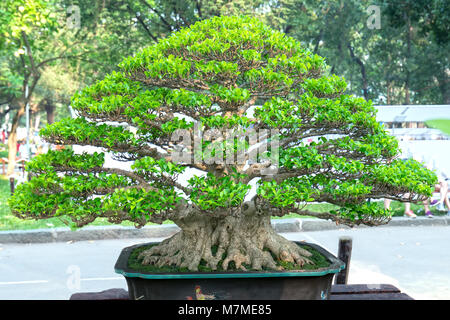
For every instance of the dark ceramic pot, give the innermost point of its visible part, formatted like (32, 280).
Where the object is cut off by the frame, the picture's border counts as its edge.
(248, 285)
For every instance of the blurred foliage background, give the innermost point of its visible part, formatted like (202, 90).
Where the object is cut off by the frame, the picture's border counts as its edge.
(390, 51)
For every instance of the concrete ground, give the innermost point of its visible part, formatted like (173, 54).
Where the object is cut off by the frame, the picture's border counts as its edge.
(416, 259)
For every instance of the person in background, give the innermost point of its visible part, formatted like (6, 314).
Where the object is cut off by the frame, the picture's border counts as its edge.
(39, 150)
(33, 150)
(408, 211)
(18, 147)
(22, 152)
(441, 187)
(387, 202)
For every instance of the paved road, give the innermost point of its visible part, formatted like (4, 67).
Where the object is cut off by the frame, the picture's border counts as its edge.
(416, 259)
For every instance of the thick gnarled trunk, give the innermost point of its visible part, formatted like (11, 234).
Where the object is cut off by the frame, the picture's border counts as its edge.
(249, 241)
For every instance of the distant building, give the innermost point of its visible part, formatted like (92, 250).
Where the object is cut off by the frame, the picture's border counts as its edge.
(407, 122)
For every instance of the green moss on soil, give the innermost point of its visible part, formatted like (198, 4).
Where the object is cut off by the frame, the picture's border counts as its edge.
(134, 263)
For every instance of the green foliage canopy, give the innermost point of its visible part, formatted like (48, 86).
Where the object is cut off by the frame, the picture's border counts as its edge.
(211, 74)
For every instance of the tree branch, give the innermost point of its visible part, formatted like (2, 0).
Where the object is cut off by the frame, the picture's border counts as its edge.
(29, 53)
(363, 70)
(143, 183)
(168, 25)
(42, 63)
(198, 6)
(138, 17)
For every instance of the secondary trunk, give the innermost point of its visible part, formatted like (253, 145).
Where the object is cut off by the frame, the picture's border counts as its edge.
(247, 241)
(50, 110)
(363, 71)
(408, 57)
(12, 140)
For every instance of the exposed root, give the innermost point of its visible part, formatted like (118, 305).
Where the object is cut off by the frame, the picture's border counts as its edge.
(246, 243)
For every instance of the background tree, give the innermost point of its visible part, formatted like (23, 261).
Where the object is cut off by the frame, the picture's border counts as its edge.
(39, 47)
(209, 76)
(375, 62)
(20, 22)
(405, 61)
(423, 28)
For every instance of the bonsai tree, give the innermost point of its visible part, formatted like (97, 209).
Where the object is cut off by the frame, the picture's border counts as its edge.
(191, 105)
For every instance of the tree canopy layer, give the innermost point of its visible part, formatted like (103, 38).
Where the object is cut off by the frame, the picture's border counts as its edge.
(209, 77)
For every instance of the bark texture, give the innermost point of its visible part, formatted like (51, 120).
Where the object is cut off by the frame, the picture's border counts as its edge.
(248, 240)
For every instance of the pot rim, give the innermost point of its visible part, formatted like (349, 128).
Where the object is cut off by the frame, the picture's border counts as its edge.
(121, 267)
